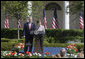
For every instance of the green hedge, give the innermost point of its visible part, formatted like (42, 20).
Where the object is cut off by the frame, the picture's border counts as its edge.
(12, 40)
(7, 46)
(10, 33)
(52, 35)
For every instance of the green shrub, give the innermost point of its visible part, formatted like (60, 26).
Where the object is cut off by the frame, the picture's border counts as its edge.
(7, 46)
(81, 45)
(52, 35)
(12, 40)
(10, 33)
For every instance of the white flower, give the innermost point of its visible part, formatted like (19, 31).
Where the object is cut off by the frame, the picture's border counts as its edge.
(69, 49)
(40, 55)
(36, 53)
(15, 54)
(33, 53)
(23, 45)
(68, 54)
(23, 55)
(19, 53)
(75, 56)
(6, 54)
(19, 46)
(71, 54)
(30, 54)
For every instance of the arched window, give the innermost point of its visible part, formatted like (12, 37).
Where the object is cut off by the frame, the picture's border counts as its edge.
(52, 6)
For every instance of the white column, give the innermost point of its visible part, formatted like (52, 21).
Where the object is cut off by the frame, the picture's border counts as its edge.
(29, 8)
(66, 14)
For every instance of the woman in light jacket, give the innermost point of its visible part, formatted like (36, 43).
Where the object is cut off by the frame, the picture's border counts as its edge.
(39, 33)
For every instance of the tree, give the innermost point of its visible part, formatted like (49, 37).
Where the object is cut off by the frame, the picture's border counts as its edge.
(17, 9)
(76, 6)
(13, 8)
(36, 7)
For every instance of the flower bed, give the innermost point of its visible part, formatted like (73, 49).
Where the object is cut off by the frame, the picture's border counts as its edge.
(14, 54)
(72, 52)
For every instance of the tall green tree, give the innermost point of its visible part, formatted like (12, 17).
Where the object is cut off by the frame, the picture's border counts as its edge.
(17, 9)
(13, 8)
(37, 9)
(76, 6)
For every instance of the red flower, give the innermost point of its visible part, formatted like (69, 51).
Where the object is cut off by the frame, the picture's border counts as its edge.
(23, 44)
(19, 44)
(76, 50)
(21, 54)
(74, 45)
(69, 46)
(12, 53)
(21, 47)
(73, 48)
(15, 52)
(27, 52)
(47, 53)
(16, 46)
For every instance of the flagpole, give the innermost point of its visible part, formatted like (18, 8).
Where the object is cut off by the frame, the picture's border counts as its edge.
(18, 28)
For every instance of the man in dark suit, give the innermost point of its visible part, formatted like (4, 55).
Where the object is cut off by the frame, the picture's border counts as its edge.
(28, 32)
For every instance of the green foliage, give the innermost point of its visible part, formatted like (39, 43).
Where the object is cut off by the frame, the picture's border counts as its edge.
(36, 7)
(10, 33)
(76, 6)
(7, 46)
(61, 35)
(13, 8)
(12, 40)
(5, 43)
(51, 36)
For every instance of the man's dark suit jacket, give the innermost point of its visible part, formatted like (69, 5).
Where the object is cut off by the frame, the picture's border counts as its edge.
(26, 30)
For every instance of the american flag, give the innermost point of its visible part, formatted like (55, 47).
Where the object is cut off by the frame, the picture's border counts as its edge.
(19, 24)
(54, 21)
(6, 23)
(81, 21)
(44, 19)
